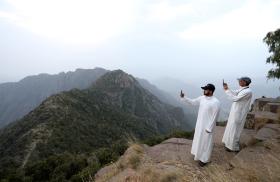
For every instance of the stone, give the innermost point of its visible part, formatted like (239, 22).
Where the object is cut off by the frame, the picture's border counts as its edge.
(264, 117)
(260, 162)
(250, 121)
(272, 107)
(269, 131)
(260, 103)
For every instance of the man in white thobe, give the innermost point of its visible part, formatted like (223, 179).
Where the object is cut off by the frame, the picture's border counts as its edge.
(209, 107)
(241, 104)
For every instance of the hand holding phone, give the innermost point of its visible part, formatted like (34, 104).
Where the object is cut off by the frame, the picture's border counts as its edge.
(182, 94)
(225, 85)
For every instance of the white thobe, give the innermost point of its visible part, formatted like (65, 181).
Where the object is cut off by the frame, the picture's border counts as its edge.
(241, 104)
(208, 112)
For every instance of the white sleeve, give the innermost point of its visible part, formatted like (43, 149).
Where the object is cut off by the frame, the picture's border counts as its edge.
(195, 101)
(240, 96)
(213, 119)
(233, 92)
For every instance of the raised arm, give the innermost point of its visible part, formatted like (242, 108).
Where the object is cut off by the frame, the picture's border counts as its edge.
(226, 88)
(233, 92)
(195, 101)
(242, 95)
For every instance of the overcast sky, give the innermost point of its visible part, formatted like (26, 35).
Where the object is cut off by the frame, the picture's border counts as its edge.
(186, 39)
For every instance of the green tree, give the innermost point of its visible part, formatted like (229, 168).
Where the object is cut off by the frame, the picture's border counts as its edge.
(272, 39)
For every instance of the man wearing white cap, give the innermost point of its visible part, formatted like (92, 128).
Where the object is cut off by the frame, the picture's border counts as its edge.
(241, 103)
(209, 107)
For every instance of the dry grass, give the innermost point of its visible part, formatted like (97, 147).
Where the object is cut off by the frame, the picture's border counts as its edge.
(211, 173)
(131, 159)
(214, 173)
(152, 174)
(137, 148)
(266, 169)
(114, 169)
(169, 177)
(134, 161)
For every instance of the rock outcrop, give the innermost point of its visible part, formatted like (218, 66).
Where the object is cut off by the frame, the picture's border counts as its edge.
(171, 160)
(264, 110)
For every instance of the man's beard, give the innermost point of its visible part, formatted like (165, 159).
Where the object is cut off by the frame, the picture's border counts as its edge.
(207, 94)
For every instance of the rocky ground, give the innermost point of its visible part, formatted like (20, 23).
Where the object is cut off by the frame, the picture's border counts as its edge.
(258, 160)
(171, 160)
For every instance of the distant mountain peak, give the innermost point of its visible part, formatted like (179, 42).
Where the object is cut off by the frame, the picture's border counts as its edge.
(96, 69)
(116, 79)
(19, 98)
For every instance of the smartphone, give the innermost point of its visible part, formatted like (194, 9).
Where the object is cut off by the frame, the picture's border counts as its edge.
(182, 94)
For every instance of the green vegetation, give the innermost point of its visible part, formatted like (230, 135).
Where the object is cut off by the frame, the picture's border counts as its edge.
(61, 167)
(174, 134)
(272, 39)
(72, 134)
(79, 167)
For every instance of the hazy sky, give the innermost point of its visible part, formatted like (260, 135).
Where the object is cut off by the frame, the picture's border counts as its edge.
(187, 39)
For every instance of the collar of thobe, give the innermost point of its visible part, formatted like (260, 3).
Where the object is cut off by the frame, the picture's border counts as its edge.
(208, 97)
(242, 88)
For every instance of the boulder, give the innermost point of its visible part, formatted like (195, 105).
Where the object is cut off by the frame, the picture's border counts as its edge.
(260, 162)
(264, 110)
(264, 117)
(272, 107)
(250, 121)
(260, 103)
(269, 131)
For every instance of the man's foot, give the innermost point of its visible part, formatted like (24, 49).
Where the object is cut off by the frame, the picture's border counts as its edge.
(228, 150)
(202, 164)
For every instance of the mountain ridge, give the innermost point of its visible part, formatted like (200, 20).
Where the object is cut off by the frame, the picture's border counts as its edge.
(114, 109)
(19, 98)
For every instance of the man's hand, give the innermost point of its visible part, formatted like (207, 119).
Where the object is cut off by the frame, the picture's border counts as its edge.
(207, 131)
(182, 94)
(225, 85)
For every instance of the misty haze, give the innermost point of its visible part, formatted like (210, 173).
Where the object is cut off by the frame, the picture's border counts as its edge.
(89, 87)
